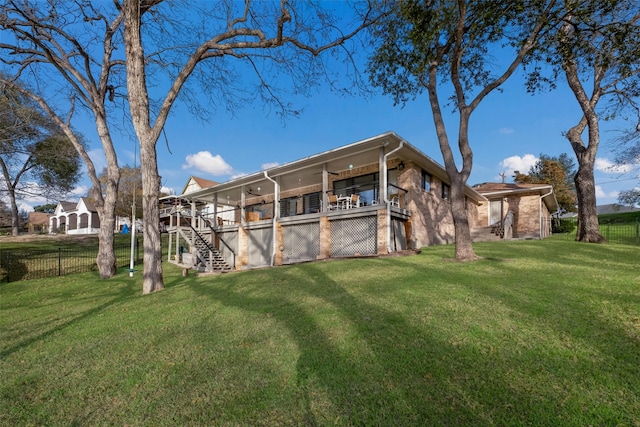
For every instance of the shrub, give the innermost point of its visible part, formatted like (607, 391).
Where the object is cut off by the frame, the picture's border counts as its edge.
(563, 225)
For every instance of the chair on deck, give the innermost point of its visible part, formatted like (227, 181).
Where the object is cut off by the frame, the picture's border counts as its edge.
(333, 202)
(355, 200)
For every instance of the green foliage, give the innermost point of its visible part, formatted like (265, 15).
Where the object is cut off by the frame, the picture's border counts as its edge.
(598, 36)
(422, 35)
(563, 225)
(557, 171)
(32, 148)
(619, 217)
(48, 208)
(57, 162)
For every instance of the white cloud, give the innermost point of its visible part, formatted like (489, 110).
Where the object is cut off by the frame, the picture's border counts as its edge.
(517, 163)
(23, 206)
(238, 175)
(607, 166)
(206, 162)
(80, 191)
(505, 131)
(601, 194)
(98, 158)
(266, 166)
(167, 190)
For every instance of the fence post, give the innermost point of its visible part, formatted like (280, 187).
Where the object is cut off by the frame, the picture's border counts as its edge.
(8, 266)
(59, 261)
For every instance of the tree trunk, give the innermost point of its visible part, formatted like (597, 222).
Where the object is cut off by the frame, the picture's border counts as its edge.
(11, 189)
(106, 259)
(139, 106)
(15, 215)
(588, 227)
(152, 278)
(464, 248)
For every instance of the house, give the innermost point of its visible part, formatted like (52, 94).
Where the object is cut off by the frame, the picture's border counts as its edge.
(195, 183)
(528, 209)
(376, 196)
(169, 204)
(38, 222)
(75, 218)
(613, 208)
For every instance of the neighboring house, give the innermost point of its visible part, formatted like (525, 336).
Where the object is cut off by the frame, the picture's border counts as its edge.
(75, 218)
(169, 204)
(615, 208)
(38, 222)
(196, 183)
(531, 207)
(376, 196)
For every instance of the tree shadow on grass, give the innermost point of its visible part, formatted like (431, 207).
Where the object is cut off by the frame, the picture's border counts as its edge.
(390, 370)
(122, 293)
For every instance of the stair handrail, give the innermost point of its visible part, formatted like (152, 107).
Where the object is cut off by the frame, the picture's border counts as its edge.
(208, 245)
(216, 234)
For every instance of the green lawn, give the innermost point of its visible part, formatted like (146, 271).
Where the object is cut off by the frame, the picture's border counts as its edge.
(538, 333)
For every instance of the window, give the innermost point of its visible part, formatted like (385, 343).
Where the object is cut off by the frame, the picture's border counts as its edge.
(289, 206)
(311, 202)
(426, 181)
(445, 191)
(265, 210)
(365, 185)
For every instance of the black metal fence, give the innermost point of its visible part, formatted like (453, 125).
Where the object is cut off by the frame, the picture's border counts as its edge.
(27, 264)
(615, 231)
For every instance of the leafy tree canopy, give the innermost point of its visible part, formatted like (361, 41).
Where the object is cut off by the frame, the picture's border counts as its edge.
(35, 158)
(557, 171)
(48, 208)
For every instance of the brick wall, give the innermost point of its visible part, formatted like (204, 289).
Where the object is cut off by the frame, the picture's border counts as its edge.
(431, 222)
(526, 209)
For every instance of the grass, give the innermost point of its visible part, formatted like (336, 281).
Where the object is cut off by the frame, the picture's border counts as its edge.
(538, 333)
(30, 257)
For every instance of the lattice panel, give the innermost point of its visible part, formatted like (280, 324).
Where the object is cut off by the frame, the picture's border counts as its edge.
(231, 237)
(260, 245)
(354, 236)
(301, 242)
(398, 238)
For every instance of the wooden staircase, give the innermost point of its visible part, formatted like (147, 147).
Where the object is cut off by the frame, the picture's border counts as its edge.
(208, 258)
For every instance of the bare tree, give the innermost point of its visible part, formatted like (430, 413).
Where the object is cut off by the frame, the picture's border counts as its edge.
(166, 45)
(424, 45)
(65, 51)
(265, 36)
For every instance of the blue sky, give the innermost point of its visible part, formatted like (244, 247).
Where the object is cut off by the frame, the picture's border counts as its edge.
(508, 131)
